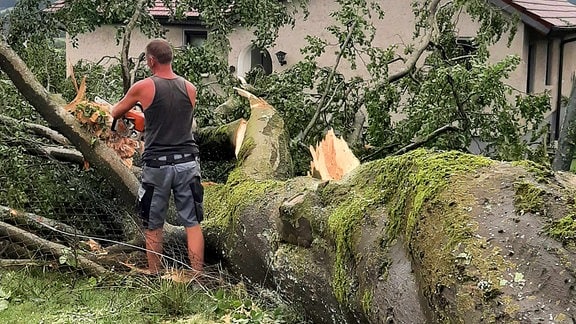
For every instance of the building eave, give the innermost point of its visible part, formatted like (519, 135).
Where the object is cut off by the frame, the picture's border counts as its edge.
(527, 17)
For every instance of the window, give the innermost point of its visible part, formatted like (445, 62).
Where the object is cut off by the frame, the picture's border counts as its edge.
(195, 37)
(531, 79)
(467, 49)
(549, 62)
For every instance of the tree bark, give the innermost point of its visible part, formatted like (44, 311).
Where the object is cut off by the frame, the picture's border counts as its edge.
(37, 243)
(264, 153)
(36, 222)
(409, 239)
(40, 130)
(220, 143)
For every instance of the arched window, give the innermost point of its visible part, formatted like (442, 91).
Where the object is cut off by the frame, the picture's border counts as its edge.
(253, 57)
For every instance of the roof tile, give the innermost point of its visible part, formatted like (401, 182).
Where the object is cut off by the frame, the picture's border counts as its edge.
(550, 13)
(159, 10)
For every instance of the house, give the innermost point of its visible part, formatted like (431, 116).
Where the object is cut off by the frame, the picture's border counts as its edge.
(545, 41)
(101, 43)
(548, 35)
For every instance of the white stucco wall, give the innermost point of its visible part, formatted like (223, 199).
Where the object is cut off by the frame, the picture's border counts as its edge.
(94, 46)
(396, 28)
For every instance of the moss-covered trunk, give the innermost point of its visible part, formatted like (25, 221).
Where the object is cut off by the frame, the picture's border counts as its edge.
(424, 237)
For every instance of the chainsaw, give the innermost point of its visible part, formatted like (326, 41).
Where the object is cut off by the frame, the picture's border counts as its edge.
(131, 124)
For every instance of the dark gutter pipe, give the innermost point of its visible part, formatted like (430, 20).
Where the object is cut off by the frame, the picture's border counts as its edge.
(563, 42)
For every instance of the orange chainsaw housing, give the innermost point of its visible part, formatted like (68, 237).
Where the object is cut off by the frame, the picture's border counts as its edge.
(138, 119)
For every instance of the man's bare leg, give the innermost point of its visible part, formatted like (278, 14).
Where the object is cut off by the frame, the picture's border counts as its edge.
(195, 243)
(154, 240)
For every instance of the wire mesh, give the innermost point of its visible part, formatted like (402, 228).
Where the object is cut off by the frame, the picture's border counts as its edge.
(52, 201)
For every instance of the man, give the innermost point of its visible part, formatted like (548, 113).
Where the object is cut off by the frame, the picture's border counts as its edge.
(170, 155)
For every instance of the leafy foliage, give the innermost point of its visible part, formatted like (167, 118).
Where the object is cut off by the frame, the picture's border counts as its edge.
(205, 67)
(457, 85)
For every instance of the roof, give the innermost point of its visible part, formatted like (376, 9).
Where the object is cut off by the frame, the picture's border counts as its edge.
(544, 15)
(158, 11)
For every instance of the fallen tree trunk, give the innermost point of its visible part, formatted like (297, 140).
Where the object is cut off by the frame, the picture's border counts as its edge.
(421, 237)
(408, 239)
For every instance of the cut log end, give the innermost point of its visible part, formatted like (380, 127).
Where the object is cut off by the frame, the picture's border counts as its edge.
(332, 158)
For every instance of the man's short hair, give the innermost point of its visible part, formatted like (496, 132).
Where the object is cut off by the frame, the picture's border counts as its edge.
(161, 50)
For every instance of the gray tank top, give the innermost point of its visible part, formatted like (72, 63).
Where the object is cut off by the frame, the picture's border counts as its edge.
(169, 120)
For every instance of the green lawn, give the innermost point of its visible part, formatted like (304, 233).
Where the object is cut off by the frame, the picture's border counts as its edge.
(36, 296)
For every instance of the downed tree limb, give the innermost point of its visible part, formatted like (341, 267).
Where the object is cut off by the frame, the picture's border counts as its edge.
(40, 130)
(264, 153)
(58, 153)
(52, 110)
(15, 264)
(37, 243)
(36, 222)
(421, 142)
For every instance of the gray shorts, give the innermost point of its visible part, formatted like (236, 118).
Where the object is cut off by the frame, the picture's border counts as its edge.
(183, 180)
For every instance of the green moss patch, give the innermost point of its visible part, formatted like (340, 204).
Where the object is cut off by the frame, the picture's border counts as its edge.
(404, 184)
(233, 197)
(563, 229)
(528, 198)
(542, 173)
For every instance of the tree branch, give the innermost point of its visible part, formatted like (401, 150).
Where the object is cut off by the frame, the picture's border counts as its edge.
(322, 101)
(51, 108)
(34, 242)
(37, 129)
(34, 221)
(431, 136)
(126, 79)
(411, 62)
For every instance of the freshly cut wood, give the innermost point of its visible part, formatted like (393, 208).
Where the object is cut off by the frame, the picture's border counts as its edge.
(97, 118)
(221, 142)
(332, 158)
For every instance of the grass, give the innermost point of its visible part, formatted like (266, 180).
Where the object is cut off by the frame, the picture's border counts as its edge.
(37, 296)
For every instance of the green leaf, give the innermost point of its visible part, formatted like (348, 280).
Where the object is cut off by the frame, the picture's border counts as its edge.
(3, 304)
